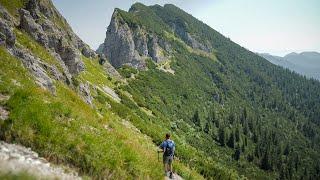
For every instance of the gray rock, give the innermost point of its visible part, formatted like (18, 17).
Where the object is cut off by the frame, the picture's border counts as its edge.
(38, 7)
(131, 46)
(71, 58)
(4, 114)
(4, 98)
(11, 21)
(197, 45)
(180, 29)
(100, 49)
(33, 7)
(119, 44)
(6, 34)
(156, 51)
(28, 24)
(35, 66)
(102, 59)
(67, 77)
(85, 92)
(87, 52)
(19, 159)
(60, 38)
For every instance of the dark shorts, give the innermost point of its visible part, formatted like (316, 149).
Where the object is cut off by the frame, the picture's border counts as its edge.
(167, 159)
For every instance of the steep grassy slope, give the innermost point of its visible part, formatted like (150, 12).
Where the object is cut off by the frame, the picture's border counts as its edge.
(99, 140)
(239, 111)
(64, 129)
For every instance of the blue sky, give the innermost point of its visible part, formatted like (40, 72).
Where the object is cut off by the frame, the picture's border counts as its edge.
(273, 26)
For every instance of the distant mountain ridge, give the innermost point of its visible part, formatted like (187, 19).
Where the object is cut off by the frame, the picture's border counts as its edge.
(304, 63)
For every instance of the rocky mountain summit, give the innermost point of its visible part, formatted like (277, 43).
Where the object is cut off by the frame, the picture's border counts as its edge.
(132, 45)
(130, 41)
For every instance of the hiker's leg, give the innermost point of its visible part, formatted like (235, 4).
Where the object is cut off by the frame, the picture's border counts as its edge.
(165, 167)
(170, 167)
(164, 164)
(170, 164)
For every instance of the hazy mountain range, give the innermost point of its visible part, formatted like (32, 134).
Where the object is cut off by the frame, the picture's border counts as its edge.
(305, 63)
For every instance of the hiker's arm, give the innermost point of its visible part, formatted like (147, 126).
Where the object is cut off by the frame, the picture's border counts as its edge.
(161, 148)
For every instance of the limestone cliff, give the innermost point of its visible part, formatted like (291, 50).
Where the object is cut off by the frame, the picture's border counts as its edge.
(125, 44)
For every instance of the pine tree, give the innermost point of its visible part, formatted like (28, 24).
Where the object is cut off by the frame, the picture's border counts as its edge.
(231, 141)
(207, 127)
(222, 136)
(265, 161)
(237, 153)
(237, 134)
(196, 119)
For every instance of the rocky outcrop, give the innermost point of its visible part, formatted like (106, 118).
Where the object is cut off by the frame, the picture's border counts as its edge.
(37, 69)
(6, 34)
(5, 16)
(41, 20)
(28, 24)
(131, 46)
(85, 92)
(16, 158)
(100, 49)
(4, 114)
(108, 67)
(43, 30)
(180, 29)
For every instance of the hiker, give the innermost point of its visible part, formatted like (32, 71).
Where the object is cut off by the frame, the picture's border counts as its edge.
(167, 147)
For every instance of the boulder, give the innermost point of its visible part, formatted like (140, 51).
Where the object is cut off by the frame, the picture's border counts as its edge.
(87, 52)
(4, 114)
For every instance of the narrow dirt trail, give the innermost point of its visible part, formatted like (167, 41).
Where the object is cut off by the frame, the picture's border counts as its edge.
(175, 177)
(15, 159)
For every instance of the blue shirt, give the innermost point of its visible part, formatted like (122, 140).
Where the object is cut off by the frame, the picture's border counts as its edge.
(164, 145)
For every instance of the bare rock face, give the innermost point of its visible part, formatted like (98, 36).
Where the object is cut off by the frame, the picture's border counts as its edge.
(125, 45)
(85, 92)
(51, 38)
(6, 34)
(28, 24)
(70, 56)
(108, 67)
(36, 67)
(4, 14)
(119, 45)
(180, 29)
(44, 23)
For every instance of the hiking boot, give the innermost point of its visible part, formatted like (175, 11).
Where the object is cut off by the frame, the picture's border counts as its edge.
(171, 175)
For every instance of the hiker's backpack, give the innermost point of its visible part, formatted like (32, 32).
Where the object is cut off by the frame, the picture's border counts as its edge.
(169, 148)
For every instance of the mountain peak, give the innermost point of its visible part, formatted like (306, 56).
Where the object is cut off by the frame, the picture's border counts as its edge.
(137, 6)
(291, 54)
